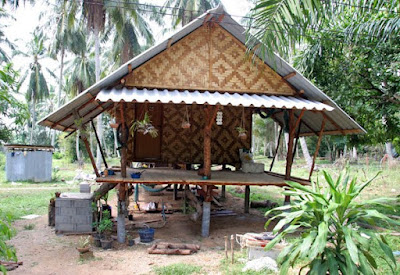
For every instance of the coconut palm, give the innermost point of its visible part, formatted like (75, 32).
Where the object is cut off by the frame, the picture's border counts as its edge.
(281, 24)
(3, 39)
(129, 26)
(37, 86)
(94, 14)
(185, 11)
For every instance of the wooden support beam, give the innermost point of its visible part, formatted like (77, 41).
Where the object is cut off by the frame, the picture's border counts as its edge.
(98, 142)
(206, 18)
(333, 123)
(297, 141)
(210, 114)
(289, 156)
(90, 111)
(220, 18)
(308, 126)
(336, 132)
(297, 121)
(289, 75)
(276, 149)
(129, 68)
(318, 145)
(83, 137)
(246, 199)
(170, 42)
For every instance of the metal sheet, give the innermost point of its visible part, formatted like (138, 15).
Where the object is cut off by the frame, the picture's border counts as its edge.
(212, 98)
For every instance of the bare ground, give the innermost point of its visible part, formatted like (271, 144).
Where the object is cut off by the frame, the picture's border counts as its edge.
(44, 252)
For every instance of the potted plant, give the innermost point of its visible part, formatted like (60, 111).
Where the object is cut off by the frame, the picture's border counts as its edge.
(186, 122)
(104, 228)
(83, 244)
(242, 132)
(96, 236)
(144, 126)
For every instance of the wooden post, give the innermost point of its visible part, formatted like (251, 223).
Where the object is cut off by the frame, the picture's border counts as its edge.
(318, 145)
(289, 156)
(121, 232)
(276, 149)
(175, 195)
(232, 248)
(223, 192)
(210, 114)
(99, 143)
(226, 247)
(83, 137)
(297, 141)
(247, 199)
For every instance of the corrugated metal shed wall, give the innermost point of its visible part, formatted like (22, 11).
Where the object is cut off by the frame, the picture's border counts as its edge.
(29, 165)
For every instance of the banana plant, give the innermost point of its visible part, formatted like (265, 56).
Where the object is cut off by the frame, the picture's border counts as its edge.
(332, 242)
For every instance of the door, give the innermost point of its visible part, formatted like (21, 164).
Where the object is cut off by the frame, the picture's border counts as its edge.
(148, 148)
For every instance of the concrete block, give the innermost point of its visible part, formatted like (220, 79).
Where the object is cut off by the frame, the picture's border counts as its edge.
(63, 203)
(68, 211)
(84, 211)
(84, 187)
(57, 211)
(83, 203)
(63, 219)
(81, 219)
(249, 167)
(65, 227)
(83, 228)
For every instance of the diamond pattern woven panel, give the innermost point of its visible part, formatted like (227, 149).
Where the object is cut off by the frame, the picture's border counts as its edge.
(186, 145)
(209, 58)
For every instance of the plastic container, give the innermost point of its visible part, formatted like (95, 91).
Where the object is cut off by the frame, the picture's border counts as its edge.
(146, 235)
(135, 175)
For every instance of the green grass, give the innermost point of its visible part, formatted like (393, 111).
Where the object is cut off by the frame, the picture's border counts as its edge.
(177, 269)
(18, 203)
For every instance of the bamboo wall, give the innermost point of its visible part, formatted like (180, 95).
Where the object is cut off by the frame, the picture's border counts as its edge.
(180, 145)
(209, 58)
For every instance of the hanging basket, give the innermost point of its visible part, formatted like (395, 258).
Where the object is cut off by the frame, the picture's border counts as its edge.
(185, 125)
(242, 136)
(114, 125)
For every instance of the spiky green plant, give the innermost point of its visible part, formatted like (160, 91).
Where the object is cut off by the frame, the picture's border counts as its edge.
(332, 241)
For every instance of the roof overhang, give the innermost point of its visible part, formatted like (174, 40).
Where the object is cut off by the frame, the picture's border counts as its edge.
(62, 119)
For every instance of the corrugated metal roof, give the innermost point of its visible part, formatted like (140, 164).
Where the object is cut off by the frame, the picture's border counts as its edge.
(211, 98)
(311, 92)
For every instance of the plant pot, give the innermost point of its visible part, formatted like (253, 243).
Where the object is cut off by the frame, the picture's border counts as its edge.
(243, 136)
(131, 242)
(114, 125)
(106, 243)
(96, 241)
(83, 249)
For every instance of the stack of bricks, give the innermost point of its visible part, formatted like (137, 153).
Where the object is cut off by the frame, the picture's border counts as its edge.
(74, 213)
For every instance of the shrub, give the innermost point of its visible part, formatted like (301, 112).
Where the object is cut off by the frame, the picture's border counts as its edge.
(332, 240)
(6, 232)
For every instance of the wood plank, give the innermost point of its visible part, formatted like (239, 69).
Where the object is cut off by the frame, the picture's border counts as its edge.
(333, 123)
(289, 75)
(336, 132)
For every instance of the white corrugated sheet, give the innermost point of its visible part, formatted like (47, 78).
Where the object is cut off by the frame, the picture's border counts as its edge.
(211, 98)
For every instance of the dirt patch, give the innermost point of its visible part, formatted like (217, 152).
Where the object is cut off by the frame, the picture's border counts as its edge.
(44, 252)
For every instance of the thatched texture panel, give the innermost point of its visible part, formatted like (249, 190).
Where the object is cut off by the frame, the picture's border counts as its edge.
(186, 145)
(209, 58)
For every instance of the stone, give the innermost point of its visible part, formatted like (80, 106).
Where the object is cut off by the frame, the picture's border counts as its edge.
(261, 264)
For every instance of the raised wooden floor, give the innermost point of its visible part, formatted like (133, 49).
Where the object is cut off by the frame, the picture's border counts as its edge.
(171, 176)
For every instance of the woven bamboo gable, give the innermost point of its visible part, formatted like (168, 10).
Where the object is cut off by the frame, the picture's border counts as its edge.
(209, 58)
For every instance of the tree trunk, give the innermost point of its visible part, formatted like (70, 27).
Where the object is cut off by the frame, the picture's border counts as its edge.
(389, 150)
(99, 117)
(354, 155)
(60, 85)
(78, 155)
(305, 151)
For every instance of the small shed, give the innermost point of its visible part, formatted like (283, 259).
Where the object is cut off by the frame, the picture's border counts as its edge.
(28, 162)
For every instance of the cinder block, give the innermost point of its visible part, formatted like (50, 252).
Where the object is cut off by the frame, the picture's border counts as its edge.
(83, 211)
(63, 203)
(68, 211)
(65, 227)
(81, 219)
(82, 203)
(83, 228)
(60, 219)
(84, 187)
(58, 211)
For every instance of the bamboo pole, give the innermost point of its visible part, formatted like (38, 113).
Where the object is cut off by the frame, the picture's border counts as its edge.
(226, 247)
(98, 142)
(232, 248)
(210, 114)
(276, 149)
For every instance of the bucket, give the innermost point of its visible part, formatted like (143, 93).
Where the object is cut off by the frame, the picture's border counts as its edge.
(146, 235)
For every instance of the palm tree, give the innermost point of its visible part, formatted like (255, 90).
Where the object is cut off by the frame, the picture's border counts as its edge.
(282, 24)
(129, 27)
(37, 86)
(80, 71)
(3, 39)
(185, 11)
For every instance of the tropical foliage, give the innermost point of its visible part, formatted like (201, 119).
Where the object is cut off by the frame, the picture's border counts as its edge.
(6, 232)
(332, 240)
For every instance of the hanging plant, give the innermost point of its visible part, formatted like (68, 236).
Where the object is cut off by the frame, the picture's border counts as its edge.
(144, 126)
(186, 122)
(241, 129)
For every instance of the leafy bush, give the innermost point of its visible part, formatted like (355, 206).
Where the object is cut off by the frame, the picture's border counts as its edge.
(58, 155)
(2, 160)
(6, 232)
(332, 240)
(177, 269)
